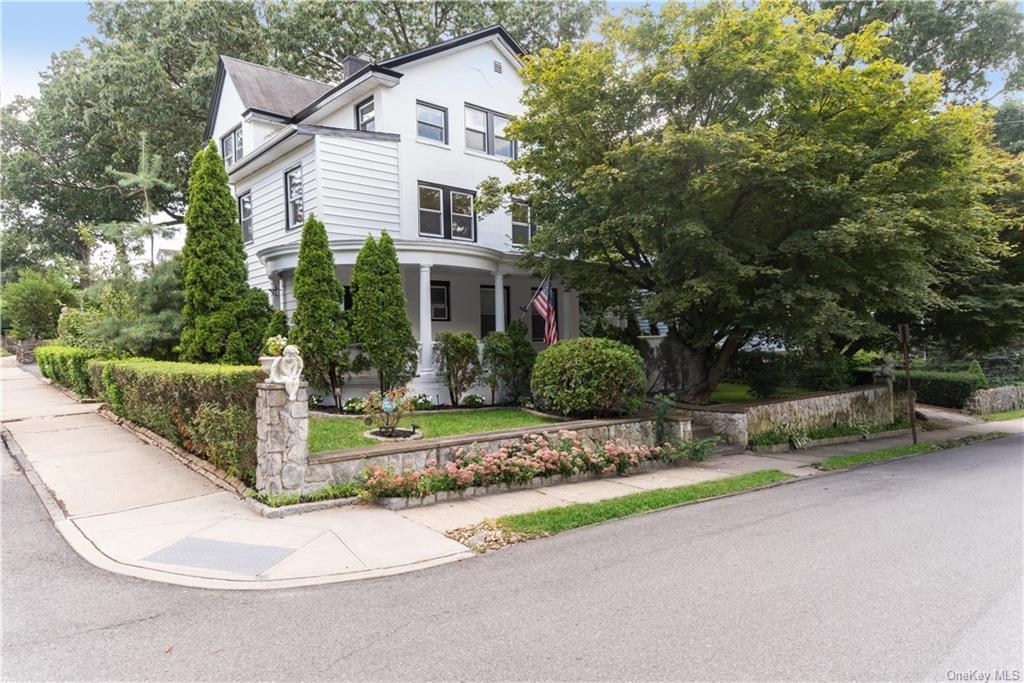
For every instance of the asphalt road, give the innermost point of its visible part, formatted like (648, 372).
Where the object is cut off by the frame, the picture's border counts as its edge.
(907, 570)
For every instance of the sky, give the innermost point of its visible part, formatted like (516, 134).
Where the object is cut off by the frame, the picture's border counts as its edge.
(31, 32)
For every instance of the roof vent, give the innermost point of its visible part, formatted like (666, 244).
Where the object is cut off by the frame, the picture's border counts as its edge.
(497, 66)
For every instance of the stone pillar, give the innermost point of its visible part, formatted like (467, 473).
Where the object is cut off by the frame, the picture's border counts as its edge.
(426, 333)
(499, 302)
(282, 435)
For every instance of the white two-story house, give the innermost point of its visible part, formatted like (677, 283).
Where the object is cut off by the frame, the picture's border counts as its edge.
(398, 146)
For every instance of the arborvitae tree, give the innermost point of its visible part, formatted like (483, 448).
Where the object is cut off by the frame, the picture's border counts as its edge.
(319, 325)
(380, 322)
(278, 325)
(218, 300)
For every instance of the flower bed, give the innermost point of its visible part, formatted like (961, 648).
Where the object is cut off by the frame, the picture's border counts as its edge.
(535, 460)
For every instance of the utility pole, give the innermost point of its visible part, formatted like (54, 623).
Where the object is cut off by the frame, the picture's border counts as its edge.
(904, 331)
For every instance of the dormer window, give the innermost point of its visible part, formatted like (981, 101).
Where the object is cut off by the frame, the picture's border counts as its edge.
(485, 133)
(231, 146)
(365, 119)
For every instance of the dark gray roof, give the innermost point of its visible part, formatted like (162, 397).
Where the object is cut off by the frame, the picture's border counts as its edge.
(272, 91)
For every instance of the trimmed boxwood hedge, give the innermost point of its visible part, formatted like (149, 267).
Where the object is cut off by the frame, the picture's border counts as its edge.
(210, 410)
(589, 377)
(947, 389)
(68, 366)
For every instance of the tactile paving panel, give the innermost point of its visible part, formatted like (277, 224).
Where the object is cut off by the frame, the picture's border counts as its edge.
(224, 556)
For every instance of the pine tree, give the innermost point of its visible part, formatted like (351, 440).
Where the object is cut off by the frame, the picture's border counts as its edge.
(319, 325)
(380, 323)
(218, 302)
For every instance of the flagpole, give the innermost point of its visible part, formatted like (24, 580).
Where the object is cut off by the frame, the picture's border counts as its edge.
(539, 289)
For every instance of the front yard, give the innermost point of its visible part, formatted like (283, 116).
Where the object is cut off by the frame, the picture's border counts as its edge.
(728, 392)
(338, 433)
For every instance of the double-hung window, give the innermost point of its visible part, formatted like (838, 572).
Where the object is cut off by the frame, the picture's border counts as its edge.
(522, 228)
(447, 212)
(485, 133)
(431, 122)
(231, 146)
(294, 212)
(245, 215)
(365, 119)
(440, 298)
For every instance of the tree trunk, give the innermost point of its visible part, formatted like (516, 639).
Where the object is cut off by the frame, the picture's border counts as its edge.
(702, 367)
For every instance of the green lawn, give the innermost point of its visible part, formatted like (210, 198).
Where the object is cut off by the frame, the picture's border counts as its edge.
(1009, 415)
(740, 393)
(568, 517)
(337, 433)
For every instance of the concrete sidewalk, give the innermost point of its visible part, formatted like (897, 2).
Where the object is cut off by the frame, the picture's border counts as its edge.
(131, 508)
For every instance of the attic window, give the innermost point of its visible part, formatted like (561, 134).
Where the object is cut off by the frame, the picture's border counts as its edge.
(497, 66)
(231, 146)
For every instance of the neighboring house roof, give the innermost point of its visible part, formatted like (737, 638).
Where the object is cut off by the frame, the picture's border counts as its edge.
(292, 98)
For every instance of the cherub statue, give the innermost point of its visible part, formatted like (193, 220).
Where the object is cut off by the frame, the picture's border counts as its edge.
(287, 370)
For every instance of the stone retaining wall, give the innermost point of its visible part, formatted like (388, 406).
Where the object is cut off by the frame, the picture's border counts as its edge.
(341, 466)
(995, 400)
(736, 423)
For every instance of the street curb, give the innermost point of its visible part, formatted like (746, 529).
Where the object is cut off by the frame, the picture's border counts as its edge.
(88, 551)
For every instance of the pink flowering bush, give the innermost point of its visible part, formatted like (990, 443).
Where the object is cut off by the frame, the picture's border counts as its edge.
(534, 456)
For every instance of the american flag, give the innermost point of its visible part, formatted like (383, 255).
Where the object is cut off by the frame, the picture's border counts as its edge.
(543, 303)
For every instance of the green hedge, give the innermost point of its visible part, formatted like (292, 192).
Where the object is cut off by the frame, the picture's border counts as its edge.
(68, 366)
(209, 410)
(948, 389)
(588, 377)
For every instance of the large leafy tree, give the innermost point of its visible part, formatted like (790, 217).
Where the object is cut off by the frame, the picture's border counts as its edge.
(312, 38)
(1010, 126)
(978, 45)
(741, 174)
(224, 318)
(319, 325)
(380, 322)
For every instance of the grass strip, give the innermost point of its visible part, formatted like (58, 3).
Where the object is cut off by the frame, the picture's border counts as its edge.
(1008, 415)
(555, 520)
(843, 461)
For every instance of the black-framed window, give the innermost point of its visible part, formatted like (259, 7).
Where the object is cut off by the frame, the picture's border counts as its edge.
(488, 317)
(537, 322)
(440, 300)
(245, 215)
(365, 118)
(448, 212)
(231, 147)
(294, 211)
(432, 122)
(485, 132)
(522, 225)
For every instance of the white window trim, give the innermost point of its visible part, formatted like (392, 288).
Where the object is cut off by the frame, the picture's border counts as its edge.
(241, 223)
(359, 113)
(439, 212)
(528, 224)
(288, 198)
(471, 215)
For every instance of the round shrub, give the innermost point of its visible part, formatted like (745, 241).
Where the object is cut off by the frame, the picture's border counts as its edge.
(589, 377)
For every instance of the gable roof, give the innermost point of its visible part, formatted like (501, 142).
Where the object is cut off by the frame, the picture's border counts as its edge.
(292, 98)
(496, 31)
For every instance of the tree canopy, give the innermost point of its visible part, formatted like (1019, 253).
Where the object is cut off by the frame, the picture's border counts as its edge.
(741, 174)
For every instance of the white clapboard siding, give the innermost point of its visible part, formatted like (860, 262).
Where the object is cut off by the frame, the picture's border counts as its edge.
(268, 218)
(358, 193)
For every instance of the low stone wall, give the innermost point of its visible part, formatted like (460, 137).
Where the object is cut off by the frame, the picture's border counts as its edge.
(995, 400)
(340, 466)
(736, 423)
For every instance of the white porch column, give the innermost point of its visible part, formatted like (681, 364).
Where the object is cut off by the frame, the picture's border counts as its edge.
(499, 301)
(426, 334)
